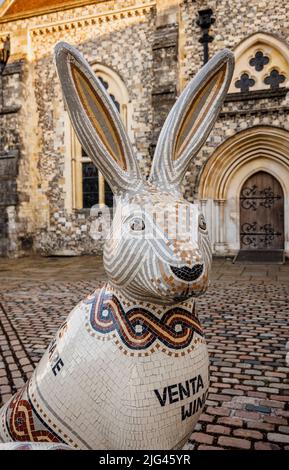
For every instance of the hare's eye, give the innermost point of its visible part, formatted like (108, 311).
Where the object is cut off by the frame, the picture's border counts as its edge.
(202, 223)
(137, 225)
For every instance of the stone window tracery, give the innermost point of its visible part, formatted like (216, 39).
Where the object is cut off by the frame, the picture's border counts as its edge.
(274, 79)
(262, 63)
(245, 83)
(259, 61)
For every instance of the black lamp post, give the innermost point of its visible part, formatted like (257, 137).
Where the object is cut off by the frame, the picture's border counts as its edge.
(4, 54)
(205, 21)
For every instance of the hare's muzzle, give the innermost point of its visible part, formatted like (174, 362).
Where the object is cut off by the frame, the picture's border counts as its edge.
(188, 274)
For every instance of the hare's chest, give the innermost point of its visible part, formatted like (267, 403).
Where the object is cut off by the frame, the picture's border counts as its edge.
(117, 392)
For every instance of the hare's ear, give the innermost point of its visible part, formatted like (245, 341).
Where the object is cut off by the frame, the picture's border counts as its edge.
(191, 119)
(95, 120)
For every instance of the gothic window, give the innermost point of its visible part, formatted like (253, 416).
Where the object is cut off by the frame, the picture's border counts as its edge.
(245, 83)
(274, 80)
(261, 63)
(92, 189)
(89, 186)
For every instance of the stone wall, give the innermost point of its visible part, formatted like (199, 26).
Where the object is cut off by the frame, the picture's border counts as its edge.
(165, 76)
(154, 48)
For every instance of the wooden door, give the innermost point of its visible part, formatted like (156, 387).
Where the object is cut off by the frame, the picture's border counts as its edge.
(261, 213)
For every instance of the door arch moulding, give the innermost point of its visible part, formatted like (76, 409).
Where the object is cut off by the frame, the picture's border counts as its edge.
(261, 148)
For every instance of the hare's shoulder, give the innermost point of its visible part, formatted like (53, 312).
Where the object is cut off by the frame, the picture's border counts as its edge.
(75, 322)
(84, 306)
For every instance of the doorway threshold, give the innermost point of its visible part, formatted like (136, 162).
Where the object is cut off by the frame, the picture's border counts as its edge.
(260, 257)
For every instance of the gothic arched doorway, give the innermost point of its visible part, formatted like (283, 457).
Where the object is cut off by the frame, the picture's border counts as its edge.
(261, 213)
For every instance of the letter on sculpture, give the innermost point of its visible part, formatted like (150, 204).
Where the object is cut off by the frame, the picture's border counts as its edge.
(129, 368)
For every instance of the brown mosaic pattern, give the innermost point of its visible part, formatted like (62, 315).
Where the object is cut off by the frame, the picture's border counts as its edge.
(23, 423)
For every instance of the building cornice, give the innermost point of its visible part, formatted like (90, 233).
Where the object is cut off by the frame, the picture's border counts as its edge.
(99, 18)
(46, 11)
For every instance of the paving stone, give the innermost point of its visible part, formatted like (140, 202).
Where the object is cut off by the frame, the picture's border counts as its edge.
(258, 408)
(272, 403)
(248, 415)
(204, 447)
(277, 437)
(280, 397)
(275, 420)
(234, 442)
(234, 392)
(206, 418)
(265, 446)
(284, 429)
(230, 421)
(202, 438)
(260, 425)
(217, 429)
(219, 411)
(247, 434)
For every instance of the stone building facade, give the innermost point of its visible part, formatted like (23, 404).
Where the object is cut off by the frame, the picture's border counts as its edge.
(144, 52)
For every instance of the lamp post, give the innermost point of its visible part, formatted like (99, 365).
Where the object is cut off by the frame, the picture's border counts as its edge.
(205, 21)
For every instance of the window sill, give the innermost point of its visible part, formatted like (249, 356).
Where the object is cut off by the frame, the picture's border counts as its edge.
(81, 211)
(256, 95)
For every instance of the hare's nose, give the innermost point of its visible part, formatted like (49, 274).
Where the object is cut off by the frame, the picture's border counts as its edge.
(188, 274)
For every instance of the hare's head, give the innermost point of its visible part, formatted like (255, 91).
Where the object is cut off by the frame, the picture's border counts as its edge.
(158, 248)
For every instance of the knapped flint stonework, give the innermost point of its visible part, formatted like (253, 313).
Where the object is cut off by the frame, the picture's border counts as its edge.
(154, 48)
(165, 76)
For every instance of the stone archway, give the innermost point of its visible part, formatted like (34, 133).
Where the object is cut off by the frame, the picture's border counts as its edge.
(260, 148)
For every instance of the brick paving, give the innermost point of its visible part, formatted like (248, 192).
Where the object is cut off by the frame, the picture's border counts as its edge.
(245, 315)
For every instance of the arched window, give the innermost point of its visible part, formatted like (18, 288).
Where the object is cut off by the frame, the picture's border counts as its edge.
(262, 62)
(88, 184)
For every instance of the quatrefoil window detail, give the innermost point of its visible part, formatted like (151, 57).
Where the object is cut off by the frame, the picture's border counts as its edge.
(244, 83)
(259, 61)
(274, 79)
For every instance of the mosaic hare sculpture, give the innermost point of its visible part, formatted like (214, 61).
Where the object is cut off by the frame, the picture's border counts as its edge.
(129, 367)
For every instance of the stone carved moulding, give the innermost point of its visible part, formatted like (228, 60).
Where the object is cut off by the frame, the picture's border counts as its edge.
(129, 367)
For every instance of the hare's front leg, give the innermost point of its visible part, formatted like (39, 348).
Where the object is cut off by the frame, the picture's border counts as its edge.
(54, 395)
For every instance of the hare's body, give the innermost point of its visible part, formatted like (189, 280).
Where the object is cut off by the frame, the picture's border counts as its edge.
(109, 392)
(129, 368)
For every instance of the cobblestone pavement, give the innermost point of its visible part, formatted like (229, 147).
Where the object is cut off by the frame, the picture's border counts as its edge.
(245, 315)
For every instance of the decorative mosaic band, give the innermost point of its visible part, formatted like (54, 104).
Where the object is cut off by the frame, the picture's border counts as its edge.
(138, 328)
(23, 423)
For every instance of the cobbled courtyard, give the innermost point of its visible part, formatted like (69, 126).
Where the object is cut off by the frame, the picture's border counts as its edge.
(245, 314)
